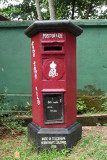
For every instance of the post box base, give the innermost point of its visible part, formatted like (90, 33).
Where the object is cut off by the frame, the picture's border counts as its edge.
(58, 138)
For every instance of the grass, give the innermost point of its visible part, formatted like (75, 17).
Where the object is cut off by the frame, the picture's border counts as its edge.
(92, 146)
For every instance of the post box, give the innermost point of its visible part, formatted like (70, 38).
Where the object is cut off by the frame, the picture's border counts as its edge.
(53, 52)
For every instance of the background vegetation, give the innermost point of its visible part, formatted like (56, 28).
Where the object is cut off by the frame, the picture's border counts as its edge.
(65, 9)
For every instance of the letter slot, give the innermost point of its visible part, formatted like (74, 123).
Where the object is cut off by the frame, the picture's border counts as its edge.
(52, 48)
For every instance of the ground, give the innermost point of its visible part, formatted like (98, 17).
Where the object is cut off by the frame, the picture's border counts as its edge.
(92, 146)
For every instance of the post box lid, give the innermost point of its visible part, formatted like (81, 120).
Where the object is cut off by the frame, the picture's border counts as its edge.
(56, 25)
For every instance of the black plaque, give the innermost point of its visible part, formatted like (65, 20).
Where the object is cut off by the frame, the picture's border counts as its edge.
(53, 104)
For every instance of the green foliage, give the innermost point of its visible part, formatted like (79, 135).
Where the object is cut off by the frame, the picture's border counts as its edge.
(105, 124)
(104, 106)
(67, 9)
(7, 118)
(98, 124)
(28, 109)
(11, 121)
(2, 104)
(93, 110)
(95, 99)
(90, 90)
(23, 11)
(81, 106)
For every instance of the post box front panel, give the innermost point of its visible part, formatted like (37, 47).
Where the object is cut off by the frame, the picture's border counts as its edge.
(53, 60)
(53, 104)
(54, 71)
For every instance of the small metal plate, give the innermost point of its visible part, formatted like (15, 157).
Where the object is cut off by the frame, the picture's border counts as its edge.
(53, 104)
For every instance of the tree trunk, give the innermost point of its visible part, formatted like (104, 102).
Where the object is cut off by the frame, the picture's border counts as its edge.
(51, 9)
(73, 7)
(38, 10)
(89, 9)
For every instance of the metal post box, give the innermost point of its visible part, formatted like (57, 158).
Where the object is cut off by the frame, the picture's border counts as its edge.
(53, 52)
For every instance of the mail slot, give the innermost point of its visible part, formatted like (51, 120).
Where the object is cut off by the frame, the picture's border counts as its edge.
(52, 48)
(53, 59)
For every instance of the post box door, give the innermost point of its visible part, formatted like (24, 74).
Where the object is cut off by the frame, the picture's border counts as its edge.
(53, 108)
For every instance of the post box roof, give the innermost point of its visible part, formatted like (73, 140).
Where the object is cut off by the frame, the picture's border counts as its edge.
(56, 25)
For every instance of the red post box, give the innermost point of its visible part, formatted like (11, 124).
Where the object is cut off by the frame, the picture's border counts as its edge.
(53, 50)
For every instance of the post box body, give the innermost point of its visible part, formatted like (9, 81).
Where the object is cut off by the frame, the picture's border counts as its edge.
(54, 79)
(53, 52)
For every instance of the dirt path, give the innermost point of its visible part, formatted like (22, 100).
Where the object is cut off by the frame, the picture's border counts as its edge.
(94, 129)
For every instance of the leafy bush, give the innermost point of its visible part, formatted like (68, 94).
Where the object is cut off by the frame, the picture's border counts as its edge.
(28, 109)
(81, 106)
(7, 118)
(104, 106)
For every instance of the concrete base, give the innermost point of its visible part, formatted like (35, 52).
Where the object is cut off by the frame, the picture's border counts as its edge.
(58, 138)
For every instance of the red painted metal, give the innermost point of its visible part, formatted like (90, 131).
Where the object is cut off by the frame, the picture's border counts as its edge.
(54, 50)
